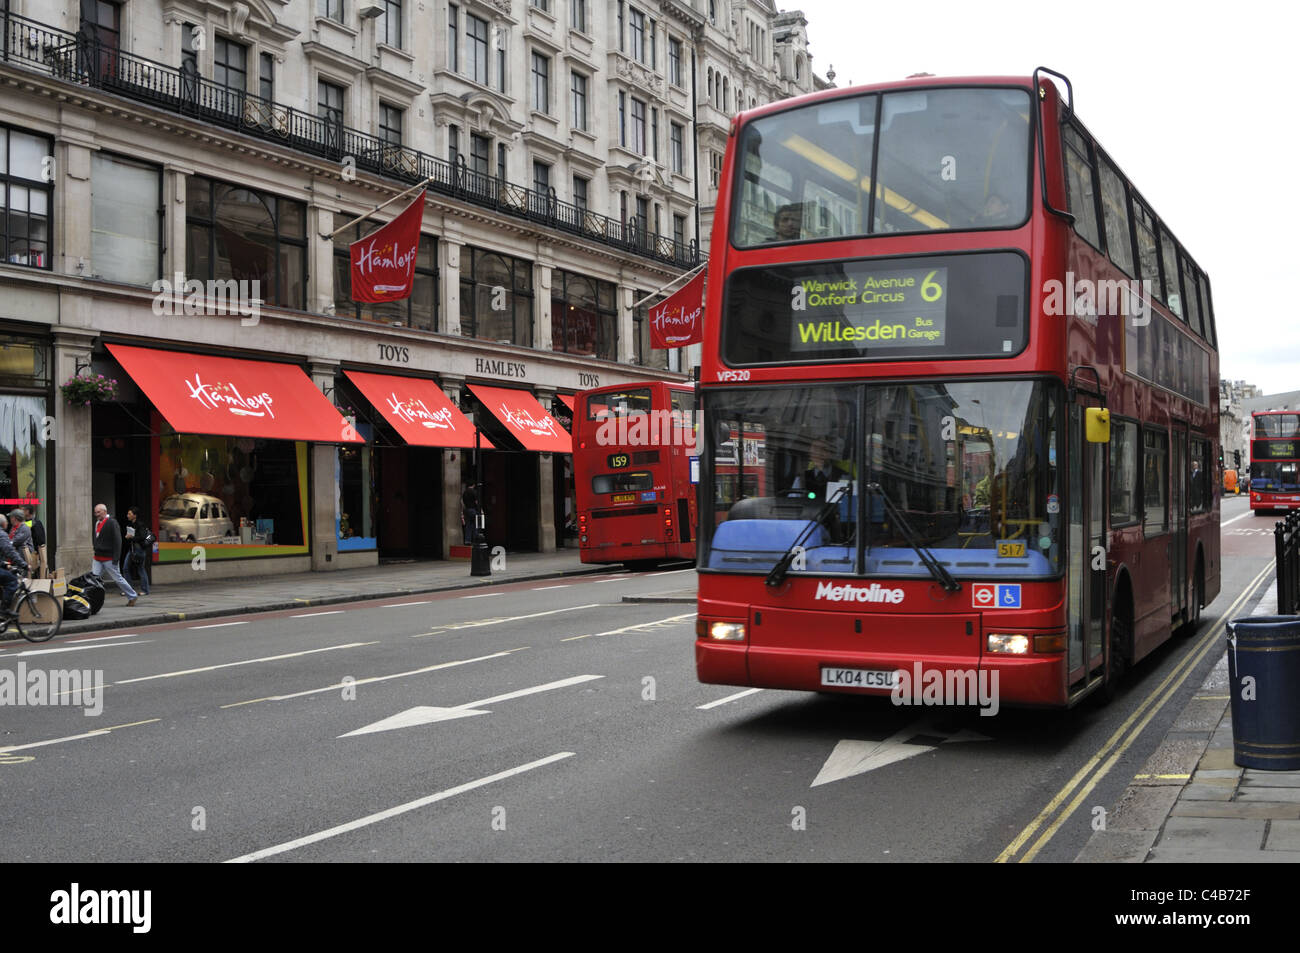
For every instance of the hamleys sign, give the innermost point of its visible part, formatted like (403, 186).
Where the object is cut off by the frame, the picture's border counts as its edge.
(521, 419)
(222, 395)
(415, 411)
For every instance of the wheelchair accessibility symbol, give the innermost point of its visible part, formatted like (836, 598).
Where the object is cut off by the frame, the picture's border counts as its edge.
(995, 596)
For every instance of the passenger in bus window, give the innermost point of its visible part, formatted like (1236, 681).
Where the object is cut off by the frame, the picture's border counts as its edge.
(787, 223)
(1197, 485)
(996, 211)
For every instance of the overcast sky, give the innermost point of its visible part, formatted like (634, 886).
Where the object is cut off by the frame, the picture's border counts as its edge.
(1195, 103)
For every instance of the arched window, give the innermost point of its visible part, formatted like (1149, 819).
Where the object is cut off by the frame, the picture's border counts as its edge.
(244, 234)
(726, 95)
(584, 319)
(496, 297)
(710, 84)
(798, 68)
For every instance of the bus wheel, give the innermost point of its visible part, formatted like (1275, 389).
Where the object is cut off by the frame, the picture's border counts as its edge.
(1121, 634)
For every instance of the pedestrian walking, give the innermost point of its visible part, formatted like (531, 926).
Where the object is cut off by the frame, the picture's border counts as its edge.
(469, 509)
(108, 547)
(41, 567)
(139, 543)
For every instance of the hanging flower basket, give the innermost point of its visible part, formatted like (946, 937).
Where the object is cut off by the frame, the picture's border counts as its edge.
(89, 390)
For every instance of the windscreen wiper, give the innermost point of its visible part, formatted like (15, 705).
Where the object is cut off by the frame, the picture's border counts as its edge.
(937, 570)
(782, 566)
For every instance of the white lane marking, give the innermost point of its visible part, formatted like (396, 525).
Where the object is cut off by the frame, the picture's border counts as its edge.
(54, 741)
(481, 595)
(71, 648)
(89, 734)
(1239, 517)
(312, 615)
(399, 809)
(251, 661)
(670, 572)
(729, 698)
(544, 588)
(453, 626)
(394, 605)
(671, 620)
(105, 638)
(215, 625)
(373, 678)
(427, 714)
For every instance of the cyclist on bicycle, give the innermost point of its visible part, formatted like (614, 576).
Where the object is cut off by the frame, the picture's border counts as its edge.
(9, 560)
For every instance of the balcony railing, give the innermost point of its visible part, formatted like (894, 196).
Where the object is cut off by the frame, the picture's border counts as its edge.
(85, 61)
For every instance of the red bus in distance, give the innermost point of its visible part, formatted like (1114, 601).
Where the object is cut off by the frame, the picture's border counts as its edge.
(1274, 461)
(984, 377)
(633, 449)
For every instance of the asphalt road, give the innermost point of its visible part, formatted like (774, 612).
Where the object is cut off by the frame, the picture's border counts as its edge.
(541, 721)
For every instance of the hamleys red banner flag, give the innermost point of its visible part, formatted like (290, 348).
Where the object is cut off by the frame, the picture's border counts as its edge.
(679, 320)
(383, 263)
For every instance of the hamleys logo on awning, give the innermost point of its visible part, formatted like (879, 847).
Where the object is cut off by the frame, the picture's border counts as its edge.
(216, 396)
(523, 420)
(417, 411)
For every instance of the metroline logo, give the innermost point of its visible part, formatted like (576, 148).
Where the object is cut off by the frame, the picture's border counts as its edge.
(847, 593)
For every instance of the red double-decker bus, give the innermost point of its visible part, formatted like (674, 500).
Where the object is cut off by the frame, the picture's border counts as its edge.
(1274, 461)
(632, 459)
(985, 377)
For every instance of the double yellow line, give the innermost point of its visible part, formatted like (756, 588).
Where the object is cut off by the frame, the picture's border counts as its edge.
(1050, 819)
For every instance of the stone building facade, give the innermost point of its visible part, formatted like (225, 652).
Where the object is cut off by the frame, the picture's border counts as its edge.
(566, 147)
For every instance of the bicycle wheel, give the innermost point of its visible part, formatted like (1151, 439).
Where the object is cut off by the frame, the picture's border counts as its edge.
(39, 616)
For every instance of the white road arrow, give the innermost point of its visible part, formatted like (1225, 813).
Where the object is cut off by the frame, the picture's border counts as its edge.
(859, 757)
(425, 714)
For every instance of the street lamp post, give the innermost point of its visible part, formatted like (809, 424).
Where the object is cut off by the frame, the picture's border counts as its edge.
(480, 562)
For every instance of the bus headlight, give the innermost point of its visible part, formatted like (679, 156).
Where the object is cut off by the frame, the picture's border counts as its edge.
(727, 631)
(1008, 644)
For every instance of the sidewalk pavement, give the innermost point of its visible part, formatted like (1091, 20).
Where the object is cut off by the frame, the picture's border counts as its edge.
(1192, 804)
(202, 599)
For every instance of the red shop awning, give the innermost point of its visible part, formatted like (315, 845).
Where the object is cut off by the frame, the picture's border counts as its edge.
(418, 409)
(568, 401)
(524, 418)
(230, 396)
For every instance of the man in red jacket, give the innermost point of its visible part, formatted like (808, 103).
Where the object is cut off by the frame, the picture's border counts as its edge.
(108, 546)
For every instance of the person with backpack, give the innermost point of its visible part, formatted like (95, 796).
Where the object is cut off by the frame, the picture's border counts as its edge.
(139, 540)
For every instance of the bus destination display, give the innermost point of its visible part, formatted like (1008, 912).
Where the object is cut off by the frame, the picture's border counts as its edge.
(1274, 450)
(861, 303)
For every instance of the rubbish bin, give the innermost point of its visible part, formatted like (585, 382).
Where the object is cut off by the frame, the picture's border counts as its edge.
(1264, 685)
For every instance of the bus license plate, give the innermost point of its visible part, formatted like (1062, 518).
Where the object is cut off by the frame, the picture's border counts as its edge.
(859, 678)
(623, 498)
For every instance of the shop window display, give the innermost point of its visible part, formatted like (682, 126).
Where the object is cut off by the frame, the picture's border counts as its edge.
(357, 500)
(236, 496)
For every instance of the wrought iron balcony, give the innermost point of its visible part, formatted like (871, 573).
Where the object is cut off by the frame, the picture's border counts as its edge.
(85, 61)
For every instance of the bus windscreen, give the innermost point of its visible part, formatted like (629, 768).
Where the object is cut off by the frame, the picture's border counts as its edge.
(943, 159)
